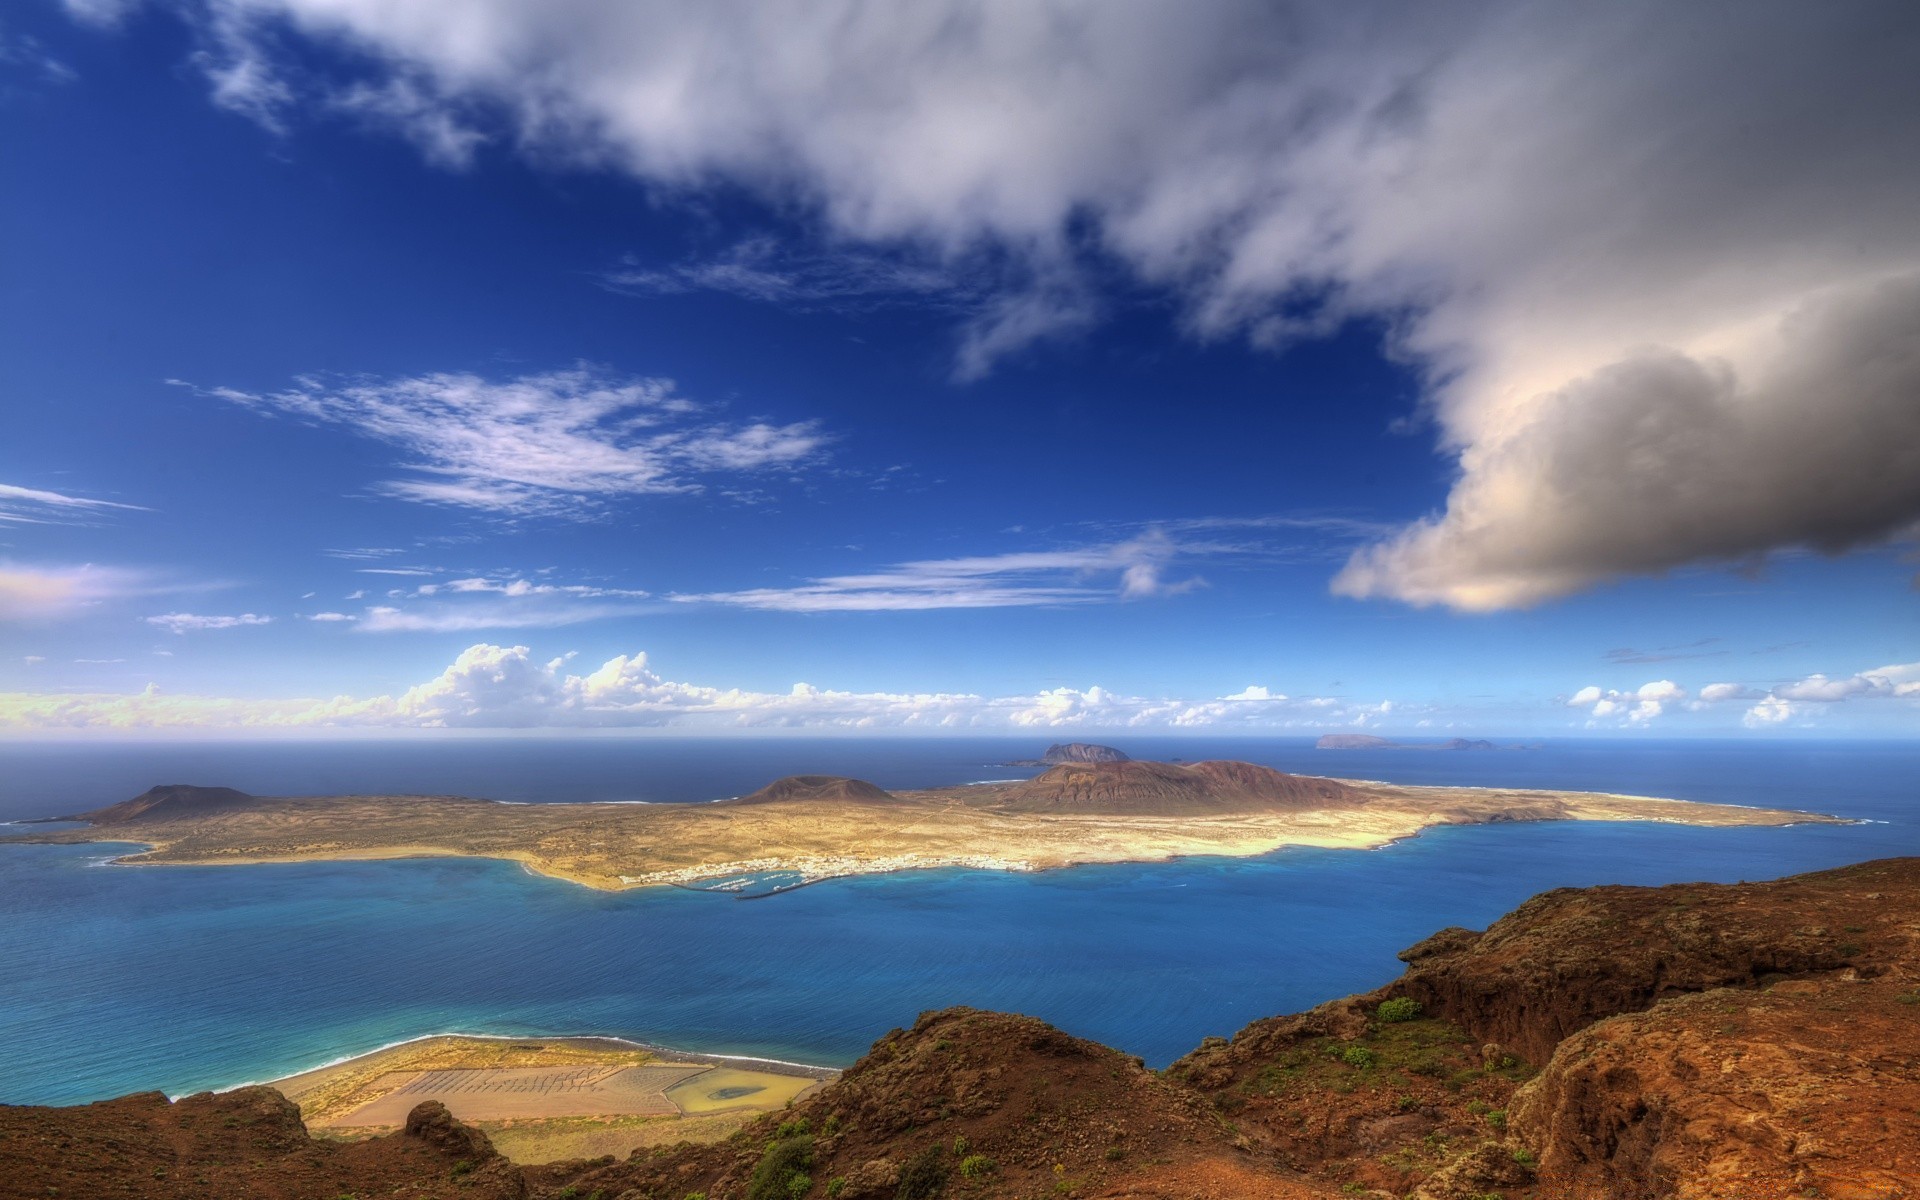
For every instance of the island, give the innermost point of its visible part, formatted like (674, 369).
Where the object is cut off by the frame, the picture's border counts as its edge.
(803, 829)
(1371, 741)
(1071, 752)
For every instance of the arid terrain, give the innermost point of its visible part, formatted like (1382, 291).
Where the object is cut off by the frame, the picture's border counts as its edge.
(546, 1098)
(1736, 1042)
(806, 828)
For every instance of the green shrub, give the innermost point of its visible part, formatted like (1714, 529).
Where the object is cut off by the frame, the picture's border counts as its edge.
(1525, 1158)
(831, 1125)
(974, 1166)
(799, 1185)
(1356, 1056)
(1497, 1118)
(1400, 1008)
(1115, 1154)
(463, 1167)
(959, 1147)
(793, 1128)
(836, 1185)
(922, 1178)
(784, 1161)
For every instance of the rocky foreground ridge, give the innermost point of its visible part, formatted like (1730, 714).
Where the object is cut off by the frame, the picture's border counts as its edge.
(1746, 1042)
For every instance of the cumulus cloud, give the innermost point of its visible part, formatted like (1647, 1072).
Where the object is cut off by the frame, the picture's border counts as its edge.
(1658, 261)
(1135, 568)
(1770, 711)
(1806, 435)
(500, 687)
(1767, 707)
(553, 444)
(1636, 707)
(185, 622)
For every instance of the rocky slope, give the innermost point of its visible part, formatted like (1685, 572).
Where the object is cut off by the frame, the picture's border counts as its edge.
(817, 787)
(1165, 788)
(1759, 1041)
(168, 802)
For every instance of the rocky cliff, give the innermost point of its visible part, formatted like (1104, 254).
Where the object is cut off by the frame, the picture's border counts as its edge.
(1759, 1041)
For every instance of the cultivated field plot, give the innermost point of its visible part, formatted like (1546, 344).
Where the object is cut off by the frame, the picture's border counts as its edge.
(513, 1093)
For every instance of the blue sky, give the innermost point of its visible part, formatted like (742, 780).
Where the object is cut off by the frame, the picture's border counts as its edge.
(403, 366)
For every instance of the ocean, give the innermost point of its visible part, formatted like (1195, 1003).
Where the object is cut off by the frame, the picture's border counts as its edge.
(120, 979)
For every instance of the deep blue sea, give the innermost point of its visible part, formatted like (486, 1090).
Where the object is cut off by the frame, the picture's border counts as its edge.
(117, 979)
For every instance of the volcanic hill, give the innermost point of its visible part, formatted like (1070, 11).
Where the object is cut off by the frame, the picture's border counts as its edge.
(1757, 1041)
(1166, 789)
(171, 801)
(816, 787)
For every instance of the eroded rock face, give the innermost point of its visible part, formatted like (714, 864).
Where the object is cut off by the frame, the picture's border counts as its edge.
(1570, 957)
(1810, 1087)
(248, 1142)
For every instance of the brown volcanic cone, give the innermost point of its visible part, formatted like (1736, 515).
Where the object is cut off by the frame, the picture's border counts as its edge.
(1151, 788)
(817, 787)
(167, 802)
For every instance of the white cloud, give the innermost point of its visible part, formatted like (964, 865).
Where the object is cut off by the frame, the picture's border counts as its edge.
(1637, 707)
(34, 659)
(1770, 711)
(36, 593)
(406, 106)
(490, 687)
(332, 617)
(1652, 341)
(37, 506)
(555, 444)
(1768, 708)
(470, 618)
(1132, 569)
(183, 622)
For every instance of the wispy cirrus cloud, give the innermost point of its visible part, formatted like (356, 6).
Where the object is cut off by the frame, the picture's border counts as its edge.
(37, 506)
(768, 270)
(506, 687)
(1694, 649)
(558, 444)
(186, 622)
(1133, 569)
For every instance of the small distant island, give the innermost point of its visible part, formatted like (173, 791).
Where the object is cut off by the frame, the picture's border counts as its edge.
(1061, 753)
(807, 828)
(1369, 741)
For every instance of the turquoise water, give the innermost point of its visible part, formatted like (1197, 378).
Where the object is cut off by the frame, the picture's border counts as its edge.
(114, 979)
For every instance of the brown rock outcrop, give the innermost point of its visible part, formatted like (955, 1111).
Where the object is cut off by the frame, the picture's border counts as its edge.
(248, 1142)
